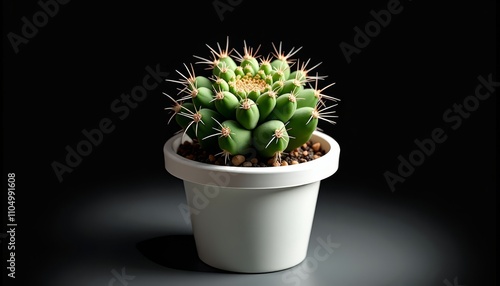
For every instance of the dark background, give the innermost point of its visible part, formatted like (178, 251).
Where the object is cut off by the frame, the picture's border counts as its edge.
(394, 91)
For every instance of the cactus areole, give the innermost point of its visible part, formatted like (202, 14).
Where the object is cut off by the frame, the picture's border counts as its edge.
(248, 103)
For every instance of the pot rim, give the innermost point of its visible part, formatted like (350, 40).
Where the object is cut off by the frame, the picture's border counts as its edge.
(252, 177)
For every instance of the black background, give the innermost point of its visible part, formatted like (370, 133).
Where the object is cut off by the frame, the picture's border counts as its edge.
(394, 91)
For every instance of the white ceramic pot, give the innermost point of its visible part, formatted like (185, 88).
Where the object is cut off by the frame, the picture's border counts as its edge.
(252, 219)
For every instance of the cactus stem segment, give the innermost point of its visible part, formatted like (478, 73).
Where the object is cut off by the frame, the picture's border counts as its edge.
(219, 95)
(176, 108)
(278, 134)
(188, 82)
(223, 67)
(280, 54)
(212, 63)
(246, 104)
(318, 93)
(302, 69)
(216, 56)
(248, 53)
(222, 53)
(196, 119)
(280, 71)
(223, 131)
(266, 61)
(194, 92)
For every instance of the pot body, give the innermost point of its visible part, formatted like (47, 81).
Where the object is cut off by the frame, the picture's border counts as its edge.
(252, 230)
(252, 219)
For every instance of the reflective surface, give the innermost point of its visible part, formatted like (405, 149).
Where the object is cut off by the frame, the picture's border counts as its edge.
(137, 234)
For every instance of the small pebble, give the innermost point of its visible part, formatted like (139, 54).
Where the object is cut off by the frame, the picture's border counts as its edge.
(316, 146)
(306, 152)
(238, 160)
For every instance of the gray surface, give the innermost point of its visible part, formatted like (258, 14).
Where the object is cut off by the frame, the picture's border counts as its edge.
(139, 231)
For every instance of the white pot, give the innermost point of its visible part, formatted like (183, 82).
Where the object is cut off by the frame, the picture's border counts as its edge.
(252, 219)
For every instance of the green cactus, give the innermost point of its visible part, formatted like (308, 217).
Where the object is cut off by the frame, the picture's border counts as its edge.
(251, 102)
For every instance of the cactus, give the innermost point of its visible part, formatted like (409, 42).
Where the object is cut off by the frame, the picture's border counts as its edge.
(249, 103)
